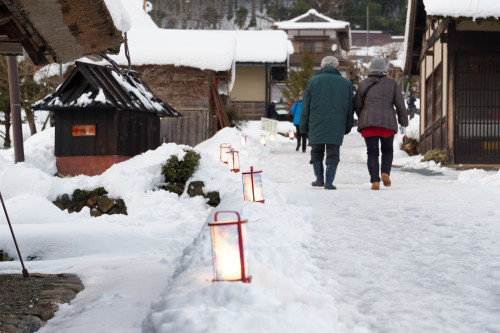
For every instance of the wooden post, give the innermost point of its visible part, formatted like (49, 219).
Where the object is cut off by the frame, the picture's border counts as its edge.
(15, 109)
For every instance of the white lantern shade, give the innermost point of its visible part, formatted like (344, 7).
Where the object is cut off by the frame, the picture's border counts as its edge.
(229, 249)
(272, 136)
(252, 186)
(291, 134)
(244, 138)
(224, 148)
(263, 139)
(233, 160)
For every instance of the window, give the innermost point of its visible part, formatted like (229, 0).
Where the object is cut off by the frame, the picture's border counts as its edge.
(311, 46)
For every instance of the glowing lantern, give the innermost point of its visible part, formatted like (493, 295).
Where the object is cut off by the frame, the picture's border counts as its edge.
(224, 148)
(252, 186)
(233, 160)
(272, 136)
(244, 138)
(291, 134)
(229, 249)
(263, 139)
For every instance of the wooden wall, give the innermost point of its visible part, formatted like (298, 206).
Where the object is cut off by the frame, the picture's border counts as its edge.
(190, 129)
(187, 89)
(125, 133)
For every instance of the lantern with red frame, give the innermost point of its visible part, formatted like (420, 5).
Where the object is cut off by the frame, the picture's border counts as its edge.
(244, 139)
(229, 248)
(224, 148)
(233, 160)
(252, 186)
(262, 139)
(291, 134)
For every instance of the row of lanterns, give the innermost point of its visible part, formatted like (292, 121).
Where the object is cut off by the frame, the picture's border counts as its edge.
(229, 236)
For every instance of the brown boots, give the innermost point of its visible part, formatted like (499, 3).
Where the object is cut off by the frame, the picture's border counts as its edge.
(385, 179)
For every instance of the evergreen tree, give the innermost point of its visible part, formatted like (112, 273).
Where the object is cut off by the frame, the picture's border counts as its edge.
(297, 80)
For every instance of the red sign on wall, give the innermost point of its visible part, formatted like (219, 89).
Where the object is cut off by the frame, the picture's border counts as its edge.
(83, 130)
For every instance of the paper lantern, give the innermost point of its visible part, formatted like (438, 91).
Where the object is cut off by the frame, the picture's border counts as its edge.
(233, 160)
(244, 139)
(229, 248)
(263, 139)
(224, 148)
(252, 186)
(272, 136)
(291, 134)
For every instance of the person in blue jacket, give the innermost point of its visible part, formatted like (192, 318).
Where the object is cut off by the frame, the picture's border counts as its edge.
(301, 137)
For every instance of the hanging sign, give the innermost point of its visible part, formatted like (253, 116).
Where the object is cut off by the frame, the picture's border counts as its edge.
(269, 125)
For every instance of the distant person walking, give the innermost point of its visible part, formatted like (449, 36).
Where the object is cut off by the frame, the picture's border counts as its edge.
(326, 116)
(301, 137)
(411, 105)
(374, 103)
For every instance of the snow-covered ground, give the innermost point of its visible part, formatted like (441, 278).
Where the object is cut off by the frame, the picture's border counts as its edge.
(420, 256)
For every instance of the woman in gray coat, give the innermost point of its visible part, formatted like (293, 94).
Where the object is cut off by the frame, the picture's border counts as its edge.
(374, 104)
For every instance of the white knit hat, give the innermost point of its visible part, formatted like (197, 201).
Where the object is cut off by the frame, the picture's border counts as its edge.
(377, 65)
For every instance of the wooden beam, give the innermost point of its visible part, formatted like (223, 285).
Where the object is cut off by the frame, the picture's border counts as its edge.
(436, 34)
(11, 48)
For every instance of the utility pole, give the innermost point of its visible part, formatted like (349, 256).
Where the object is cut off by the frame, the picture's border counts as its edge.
(367, 29)
(15, 109)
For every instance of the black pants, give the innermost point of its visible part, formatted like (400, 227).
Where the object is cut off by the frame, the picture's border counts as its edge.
(373, 154)
(301, 138)
(332, 153)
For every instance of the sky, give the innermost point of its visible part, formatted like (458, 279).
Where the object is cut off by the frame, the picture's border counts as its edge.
(419, 256)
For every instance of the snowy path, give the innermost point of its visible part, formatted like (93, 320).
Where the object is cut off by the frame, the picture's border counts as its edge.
(419, 256)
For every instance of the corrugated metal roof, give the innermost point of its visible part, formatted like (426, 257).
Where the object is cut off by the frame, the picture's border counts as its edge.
(104, 87)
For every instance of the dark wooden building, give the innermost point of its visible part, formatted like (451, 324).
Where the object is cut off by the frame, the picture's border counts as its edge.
(458, 61)
(103, 115)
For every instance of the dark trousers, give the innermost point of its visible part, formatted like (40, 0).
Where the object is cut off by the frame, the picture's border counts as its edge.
(411, 111)
(301, 138)
(332, 153)
(373, 154)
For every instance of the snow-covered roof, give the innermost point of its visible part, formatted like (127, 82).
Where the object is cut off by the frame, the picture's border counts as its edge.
(266, 46)
(201, 49)
(128, 14)
(317, 21)
(104, 87)
(463, 8)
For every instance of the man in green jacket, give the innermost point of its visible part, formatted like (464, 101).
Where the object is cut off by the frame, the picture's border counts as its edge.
(326, 116)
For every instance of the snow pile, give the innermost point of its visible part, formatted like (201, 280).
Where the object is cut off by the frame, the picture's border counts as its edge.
(463, 8)
(321, 261)
(129, 14)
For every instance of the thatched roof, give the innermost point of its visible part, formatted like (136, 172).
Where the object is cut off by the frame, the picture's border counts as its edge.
(104, 87)
(64, 29)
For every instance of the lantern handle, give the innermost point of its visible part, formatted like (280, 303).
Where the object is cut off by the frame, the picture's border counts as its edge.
(227, 211)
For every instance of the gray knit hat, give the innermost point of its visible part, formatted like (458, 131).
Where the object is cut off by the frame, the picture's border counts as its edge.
(377, 65)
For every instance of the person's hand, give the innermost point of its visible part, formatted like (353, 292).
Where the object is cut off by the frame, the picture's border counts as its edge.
(402, 130)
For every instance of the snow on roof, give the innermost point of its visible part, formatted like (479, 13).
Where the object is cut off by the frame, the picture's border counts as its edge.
(463, 8)
(327, 22)
(128, 14)
(266, 46)
(201, 49)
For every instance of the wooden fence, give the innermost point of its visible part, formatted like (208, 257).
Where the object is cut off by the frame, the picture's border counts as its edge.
(190, 129)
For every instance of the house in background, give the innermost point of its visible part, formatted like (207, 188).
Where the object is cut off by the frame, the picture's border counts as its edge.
(103, 115)
(315, 33)
(260, 62)
(453, 47)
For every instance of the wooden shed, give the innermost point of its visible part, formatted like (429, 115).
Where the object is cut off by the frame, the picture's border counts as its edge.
(458, 61)
(103, 115)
